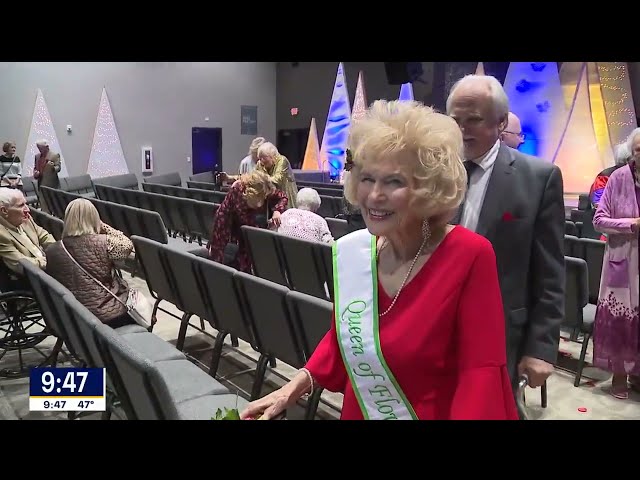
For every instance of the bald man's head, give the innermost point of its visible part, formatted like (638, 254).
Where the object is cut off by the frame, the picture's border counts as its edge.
(512, 135)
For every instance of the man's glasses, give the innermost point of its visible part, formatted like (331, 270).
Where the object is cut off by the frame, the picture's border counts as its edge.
(521, 134)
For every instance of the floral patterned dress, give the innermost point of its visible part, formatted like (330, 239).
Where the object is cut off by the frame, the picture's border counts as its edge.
(232, 214)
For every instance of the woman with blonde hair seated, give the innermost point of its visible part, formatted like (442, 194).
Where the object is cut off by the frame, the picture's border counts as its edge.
(249, 198)
(419, 330)
(84, 262)
(302, 221)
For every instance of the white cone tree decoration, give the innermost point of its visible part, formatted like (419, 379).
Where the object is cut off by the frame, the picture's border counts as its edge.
(41, 129)
(106, 157)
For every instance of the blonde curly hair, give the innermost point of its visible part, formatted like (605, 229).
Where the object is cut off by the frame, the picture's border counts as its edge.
(257, 186)
(427, 143)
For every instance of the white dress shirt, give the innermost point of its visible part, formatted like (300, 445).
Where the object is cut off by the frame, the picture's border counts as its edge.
(247, 165)
(478, 187)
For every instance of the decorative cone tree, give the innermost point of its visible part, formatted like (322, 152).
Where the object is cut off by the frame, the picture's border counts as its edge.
(336, 132)
(106, 157)
(41, 129)
(406, 92)
(312, 153)
(360, 101)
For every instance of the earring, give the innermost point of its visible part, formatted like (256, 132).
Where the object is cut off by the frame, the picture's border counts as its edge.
(426, 229)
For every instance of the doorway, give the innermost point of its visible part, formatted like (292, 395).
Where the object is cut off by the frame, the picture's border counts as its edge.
(206, 149)
(292, 143)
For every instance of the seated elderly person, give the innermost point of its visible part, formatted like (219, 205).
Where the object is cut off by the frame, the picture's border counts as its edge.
(302, 221)
(83, 261)
(20, 237)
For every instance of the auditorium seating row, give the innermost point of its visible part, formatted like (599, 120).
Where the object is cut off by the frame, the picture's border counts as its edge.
(584, 255)
(184, 215)
(581, 225)
(592, 251)
(278, 323)
(51, 224)
(579, 311)
(193, 193)
(149, 377)
(191, 219)
(302, 265)
(127, 180)
(29, 190)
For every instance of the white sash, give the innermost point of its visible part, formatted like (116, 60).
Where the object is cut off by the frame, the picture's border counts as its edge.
(355, 277)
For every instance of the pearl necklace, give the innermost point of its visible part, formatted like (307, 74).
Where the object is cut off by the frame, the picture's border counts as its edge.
(406, 277)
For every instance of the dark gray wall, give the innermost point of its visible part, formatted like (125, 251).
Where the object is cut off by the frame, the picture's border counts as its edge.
(153, 104)
(309, 87)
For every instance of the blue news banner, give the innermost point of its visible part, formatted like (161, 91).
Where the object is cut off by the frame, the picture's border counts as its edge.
(67, 389)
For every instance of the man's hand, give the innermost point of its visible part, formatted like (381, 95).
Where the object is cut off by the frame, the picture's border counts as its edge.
(537, 370)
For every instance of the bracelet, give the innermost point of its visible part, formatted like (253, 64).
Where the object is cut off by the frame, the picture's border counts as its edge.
(308, 373)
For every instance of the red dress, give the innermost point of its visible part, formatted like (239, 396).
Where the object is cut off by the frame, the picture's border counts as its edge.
(231, 215)
(444, 340)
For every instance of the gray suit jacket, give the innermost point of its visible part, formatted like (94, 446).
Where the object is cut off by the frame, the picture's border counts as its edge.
(523, 217)
(49, 174)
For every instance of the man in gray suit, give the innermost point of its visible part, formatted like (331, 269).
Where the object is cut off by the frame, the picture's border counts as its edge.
(515, 201)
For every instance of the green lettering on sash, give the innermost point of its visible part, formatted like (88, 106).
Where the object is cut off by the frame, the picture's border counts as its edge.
(356, 321)
(380, 390)
(357, 306)
(365, 371)
(386, 409)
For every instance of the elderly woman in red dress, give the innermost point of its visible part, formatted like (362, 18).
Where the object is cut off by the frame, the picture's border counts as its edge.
(251, 196)
(419, 329)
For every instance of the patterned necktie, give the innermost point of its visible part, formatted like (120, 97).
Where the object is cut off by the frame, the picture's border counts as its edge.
(470, 167)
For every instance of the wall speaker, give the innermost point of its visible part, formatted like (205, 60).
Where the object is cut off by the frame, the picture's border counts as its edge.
(147, 159)
(402, 72)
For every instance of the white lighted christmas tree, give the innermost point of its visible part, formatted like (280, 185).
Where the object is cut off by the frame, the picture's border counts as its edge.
(360, 100)
(106, 157)
(41, 129)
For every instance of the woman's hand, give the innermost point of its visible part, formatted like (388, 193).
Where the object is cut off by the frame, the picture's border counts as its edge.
(276, 402)
(275, 219)
(267, 407)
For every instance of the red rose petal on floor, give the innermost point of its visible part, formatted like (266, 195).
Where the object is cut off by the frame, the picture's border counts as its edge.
(565, 354)
(590, 383)
(582, 409)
